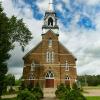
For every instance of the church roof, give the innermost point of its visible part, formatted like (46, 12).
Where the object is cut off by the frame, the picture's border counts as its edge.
(66, 50)
(27, 54)
(61, 47)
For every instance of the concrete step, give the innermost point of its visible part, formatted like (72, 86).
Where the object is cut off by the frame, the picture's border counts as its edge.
(49, 92)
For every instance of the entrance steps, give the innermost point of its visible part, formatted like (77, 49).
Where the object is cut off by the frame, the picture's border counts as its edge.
(49, 92)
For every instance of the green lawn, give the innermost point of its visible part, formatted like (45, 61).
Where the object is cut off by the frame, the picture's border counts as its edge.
(88, 98)
(93, 98)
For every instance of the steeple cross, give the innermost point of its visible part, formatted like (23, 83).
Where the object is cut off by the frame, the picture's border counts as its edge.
(51, 8)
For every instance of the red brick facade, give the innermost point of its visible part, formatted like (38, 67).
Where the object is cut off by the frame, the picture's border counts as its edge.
(61, 73)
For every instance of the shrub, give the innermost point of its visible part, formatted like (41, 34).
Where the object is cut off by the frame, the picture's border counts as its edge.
(74, 95)
(37, 92)
(75, 86)
(25, 95)
(61, 91)
(22, 86)
(66, 93)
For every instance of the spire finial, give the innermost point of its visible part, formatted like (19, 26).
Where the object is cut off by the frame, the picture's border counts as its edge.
(51, 8)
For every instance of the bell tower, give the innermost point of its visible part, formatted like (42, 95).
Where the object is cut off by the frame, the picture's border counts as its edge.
(50, 19)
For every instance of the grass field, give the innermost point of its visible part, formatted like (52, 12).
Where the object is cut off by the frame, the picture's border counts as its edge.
(93, 98)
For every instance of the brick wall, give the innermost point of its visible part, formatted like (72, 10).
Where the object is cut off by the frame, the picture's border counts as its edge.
(38, 55)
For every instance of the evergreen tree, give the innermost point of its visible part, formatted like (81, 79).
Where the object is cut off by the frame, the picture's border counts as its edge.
(11, 30)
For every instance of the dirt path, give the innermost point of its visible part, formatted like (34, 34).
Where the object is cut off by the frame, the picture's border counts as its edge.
(49, 98)
(92, 92)
(8, 96)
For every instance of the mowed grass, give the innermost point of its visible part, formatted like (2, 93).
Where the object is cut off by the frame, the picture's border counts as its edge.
(93, 98)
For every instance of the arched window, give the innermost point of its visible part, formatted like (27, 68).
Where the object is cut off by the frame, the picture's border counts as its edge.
(31, 76)
(66, 66)
(50, 42)
(67, 77)
(33, 66)
(49, 75)
(50, 22)
(47, 56)
(50, 56)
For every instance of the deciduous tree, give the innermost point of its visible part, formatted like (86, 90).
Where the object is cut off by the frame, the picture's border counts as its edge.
(11, 30)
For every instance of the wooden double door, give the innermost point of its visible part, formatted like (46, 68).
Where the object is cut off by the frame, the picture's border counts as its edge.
(67, 82)
(49, 83)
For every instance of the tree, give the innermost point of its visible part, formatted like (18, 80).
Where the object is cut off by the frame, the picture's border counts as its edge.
(11, 30)
(10, 80)
(25, 95)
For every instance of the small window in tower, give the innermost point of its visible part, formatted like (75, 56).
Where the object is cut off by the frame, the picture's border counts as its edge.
(50, 22)
(50, 42)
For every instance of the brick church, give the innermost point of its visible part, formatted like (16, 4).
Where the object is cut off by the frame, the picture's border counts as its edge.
(49, 63)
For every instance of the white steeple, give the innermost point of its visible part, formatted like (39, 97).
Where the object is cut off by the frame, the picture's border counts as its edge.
(51, 8)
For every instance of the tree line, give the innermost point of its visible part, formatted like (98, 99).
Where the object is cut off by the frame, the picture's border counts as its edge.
(89, 80)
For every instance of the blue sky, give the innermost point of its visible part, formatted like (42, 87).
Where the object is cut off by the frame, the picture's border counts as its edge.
(70, 10)
(79, 24)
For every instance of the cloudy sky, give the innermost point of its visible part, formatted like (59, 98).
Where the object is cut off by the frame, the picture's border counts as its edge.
(79, 22)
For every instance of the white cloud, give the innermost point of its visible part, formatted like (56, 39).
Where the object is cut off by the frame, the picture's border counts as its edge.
(17, 71)
(82, 43)
(43, 5)
(59, 7)
(92, 2)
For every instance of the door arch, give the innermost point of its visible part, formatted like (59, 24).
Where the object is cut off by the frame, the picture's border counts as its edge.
(49, 80)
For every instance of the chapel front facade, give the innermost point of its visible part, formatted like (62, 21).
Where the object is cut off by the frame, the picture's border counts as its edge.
(49, 63)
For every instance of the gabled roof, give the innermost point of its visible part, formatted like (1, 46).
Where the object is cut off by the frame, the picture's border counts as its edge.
(61, 47)
(50, 30)
(32, 49)
(70, 53)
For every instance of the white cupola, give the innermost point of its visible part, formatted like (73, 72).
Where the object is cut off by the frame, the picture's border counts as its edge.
(50, 19)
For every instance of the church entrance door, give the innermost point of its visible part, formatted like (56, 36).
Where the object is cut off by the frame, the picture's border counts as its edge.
(49, 80)
(67, 80)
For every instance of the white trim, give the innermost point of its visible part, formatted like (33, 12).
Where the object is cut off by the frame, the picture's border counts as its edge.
(49, 56)
(45, 78)
(49, 75)
(66, 66)
(33, 66)
(54, 65)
